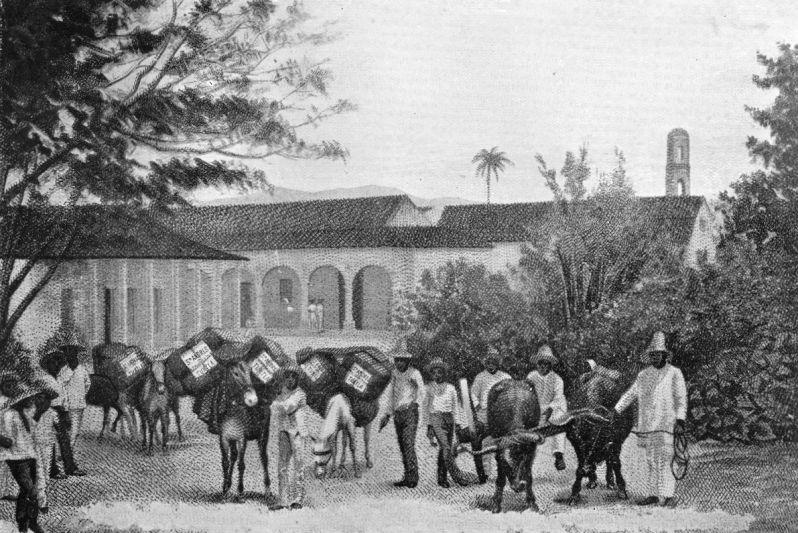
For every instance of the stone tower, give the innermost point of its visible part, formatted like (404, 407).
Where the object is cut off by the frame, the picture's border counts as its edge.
(677, 167)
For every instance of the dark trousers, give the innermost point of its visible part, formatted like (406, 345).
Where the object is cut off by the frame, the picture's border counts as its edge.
(63, 428)
(443, 428)
(406, 423)
(27, 512)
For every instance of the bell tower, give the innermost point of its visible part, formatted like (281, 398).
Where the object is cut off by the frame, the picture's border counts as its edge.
(677, 166)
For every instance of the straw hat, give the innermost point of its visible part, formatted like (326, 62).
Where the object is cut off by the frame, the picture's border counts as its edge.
(26, 391)
(493, 355)
(437, 362)
(545, 353)
(289, 368)
(71, 338)
(47, 383)
(657, 345)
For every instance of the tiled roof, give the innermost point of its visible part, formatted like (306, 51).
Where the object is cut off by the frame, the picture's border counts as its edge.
(342, 223)
(104, 232)
(509, 222)
(214, 222)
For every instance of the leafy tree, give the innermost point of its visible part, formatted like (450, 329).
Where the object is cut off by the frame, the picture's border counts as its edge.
(590, 249)
(141, 102)
(460, 309)
(763, 205)
(489, 164)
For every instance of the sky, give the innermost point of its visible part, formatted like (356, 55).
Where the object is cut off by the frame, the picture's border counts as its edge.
(435, 81)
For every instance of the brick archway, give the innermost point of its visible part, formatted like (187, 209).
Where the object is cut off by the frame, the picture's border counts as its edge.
(281, 305)
(372, 295)
(326, 285)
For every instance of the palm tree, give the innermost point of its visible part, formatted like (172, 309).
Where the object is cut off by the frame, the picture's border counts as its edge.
(490, 162)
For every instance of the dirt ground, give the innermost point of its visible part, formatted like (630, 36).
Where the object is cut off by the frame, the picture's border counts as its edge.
(729, 488)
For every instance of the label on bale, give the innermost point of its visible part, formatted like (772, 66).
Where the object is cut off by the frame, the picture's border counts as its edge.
(131, 364)
(357, 378)
(313, 369)
(199, 360)
(264, 367)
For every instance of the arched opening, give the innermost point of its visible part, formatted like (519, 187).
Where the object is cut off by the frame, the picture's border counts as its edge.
(371, 298)
(247, 300)
(326, 287)
(680, 187)
(229, 299)
(280, 294)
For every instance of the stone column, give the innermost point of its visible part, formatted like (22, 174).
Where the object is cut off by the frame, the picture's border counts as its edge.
(216, 290)
(301, 301)
(150, 298)
(198, 292)
(237, 304)
(176, 303)
(94, 294)
(349, 321)
(123, 300)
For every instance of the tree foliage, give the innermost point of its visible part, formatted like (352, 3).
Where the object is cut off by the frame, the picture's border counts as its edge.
(587, 250)
(141, 102)
(763, 205)
(459, 310)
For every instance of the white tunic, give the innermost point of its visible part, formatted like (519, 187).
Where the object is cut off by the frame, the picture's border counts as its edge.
(76, 384)
(482, 385)
(288, 412)
(549, 389)
(661, 398)
(404, 389)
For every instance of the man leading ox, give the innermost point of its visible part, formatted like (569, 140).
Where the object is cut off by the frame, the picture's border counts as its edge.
(662, 407)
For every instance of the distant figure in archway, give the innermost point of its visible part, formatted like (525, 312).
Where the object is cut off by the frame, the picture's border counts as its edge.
(312, 316)
(320, 314)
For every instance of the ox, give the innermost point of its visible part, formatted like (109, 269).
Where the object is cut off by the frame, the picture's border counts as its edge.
(594, 443)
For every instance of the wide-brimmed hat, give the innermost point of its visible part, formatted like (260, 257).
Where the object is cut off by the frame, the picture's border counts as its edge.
(544, 353)
(47, 383)
(289, 368)
(71, 338)
(492, 354)
(437, 362)
(27, 391)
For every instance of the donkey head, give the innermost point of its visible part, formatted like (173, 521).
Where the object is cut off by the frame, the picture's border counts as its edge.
(158, 370)
(241, 378)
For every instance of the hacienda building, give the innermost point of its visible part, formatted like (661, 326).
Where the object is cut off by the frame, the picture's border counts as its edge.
(154, 280)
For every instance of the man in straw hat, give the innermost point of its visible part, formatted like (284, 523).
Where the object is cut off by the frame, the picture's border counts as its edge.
(52, 360)
(74, 378)
(401, 399)
(20, 456)
(288, 415)
(549, 388)
(483, 382)
(442, 408)
(662, 406)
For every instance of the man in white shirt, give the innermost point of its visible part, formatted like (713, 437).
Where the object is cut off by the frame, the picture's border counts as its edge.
(661, 397)
(549, 389)
(75, 380)
(442, 410)
(401, 399)
(483, 382)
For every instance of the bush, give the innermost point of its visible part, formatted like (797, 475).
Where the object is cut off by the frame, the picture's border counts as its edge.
(461, 309)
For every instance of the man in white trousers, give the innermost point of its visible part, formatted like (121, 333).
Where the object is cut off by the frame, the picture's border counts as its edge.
(553, 406)
(661, 396)
(483, 382)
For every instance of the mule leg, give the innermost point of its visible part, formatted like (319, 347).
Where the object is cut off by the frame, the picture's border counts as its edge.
(165, 428)
(143, 420)
(151, 422)
(130, 418)
(224, 445)
(241, 466)
(352, 445)
(174, 405)
(106, 410)
(263, 450)
(610, 476)
(366, 444)
(531, 503)
(502, 474)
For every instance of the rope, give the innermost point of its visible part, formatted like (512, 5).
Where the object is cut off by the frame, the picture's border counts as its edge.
(680, 462)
